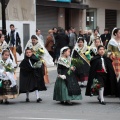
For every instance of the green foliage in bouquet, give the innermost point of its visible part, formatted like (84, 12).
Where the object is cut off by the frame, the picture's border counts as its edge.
(39, 52)
(75, 62)
(37, 64)
(8, 67)
(96, 86)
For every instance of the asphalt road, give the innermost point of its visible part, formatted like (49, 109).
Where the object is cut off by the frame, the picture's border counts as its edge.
(86, 109)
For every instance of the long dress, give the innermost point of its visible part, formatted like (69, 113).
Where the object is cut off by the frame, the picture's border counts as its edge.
(31, 78)
(9, 88)
(69, 88)
(82, 71)
(35, 48)
(114, 50)
(106, 79)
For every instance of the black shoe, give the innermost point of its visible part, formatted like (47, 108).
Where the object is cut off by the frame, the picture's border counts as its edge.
(102, 103)
(62, 102)
(27, 100)
(99, 99)
(39, 100)
(6, 102)
(1, 101)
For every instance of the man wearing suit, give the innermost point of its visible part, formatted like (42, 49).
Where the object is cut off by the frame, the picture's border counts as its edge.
(105, 37)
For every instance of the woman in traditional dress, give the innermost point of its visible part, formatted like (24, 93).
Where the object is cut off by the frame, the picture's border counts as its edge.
(66, 86)
(48, 61)
(94, 36)
(94, 46)
(3, 46)
(114, 52)
(102, 79)
(8, 87)
(31, 76)
(82, 52)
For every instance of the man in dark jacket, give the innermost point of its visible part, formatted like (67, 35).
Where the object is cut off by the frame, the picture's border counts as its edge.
(62, 40)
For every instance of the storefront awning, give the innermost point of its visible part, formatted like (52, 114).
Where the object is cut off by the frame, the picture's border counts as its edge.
(61, 4)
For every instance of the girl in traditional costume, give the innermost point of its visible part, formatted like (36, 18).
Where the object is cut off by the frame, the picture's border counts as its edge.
(31, 75)
(102, 79)
(93, 48)
(94, 36)
(82, 52)
(3, 46)
(8, 87)
(114, 52)
(66, 86)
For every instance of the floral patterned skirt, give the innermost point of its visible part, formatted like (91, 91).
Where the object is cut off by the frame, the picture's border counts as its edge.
(6, 92)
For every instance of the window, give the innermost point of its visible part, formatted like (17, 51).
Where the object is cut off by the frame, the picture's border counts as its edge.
(91, 19)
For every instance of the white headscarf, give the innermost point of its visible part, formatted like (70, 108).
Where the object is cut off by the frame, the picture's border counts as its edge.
(48, 59)
(113, 36)
(64, 61)
(84, 46)
(113, 41)
(64, 48)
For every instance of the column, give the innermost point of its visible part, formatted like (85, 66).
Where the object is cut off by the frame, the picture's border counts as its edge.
(61, 17)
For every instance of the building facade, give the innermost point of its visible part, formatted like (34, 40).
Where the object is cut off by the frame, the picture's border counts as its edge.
(21, 13)
(102, 13)
(53, 13)
(81, 14)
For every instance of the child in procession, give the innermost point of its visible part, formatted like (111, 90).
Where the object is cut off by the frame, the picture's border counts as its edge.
(102, 79)
(31, 75)
(8, 87)
(66, 86)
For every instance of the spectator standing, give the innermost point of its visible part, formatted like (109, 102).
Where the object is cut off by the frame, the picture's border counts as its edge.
(38, 33)
(13, 40)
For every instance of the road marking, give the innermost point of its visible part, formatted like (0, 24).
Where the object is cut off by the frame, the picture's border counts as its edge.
(29, 118)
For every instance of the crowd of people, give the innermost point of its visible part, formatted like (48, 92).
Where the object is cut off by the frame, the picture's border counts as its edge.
(87, 56)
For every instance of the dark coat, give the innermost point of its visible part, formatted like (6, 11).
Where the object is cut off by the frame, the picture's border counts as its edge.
(62, 40)
(111, 82)
(31, 79)
(104, 38)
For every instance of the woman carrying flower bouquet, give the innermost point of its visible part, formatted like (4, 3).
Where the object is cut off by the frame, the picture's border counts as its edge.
(45, 57)
(82, 52)
(31, 75)
(8, 87)
(66, 86)
(102, 79)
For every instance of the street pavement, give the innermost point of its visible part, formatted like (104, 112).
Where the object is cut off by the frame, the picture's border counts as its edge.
(86, 109)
